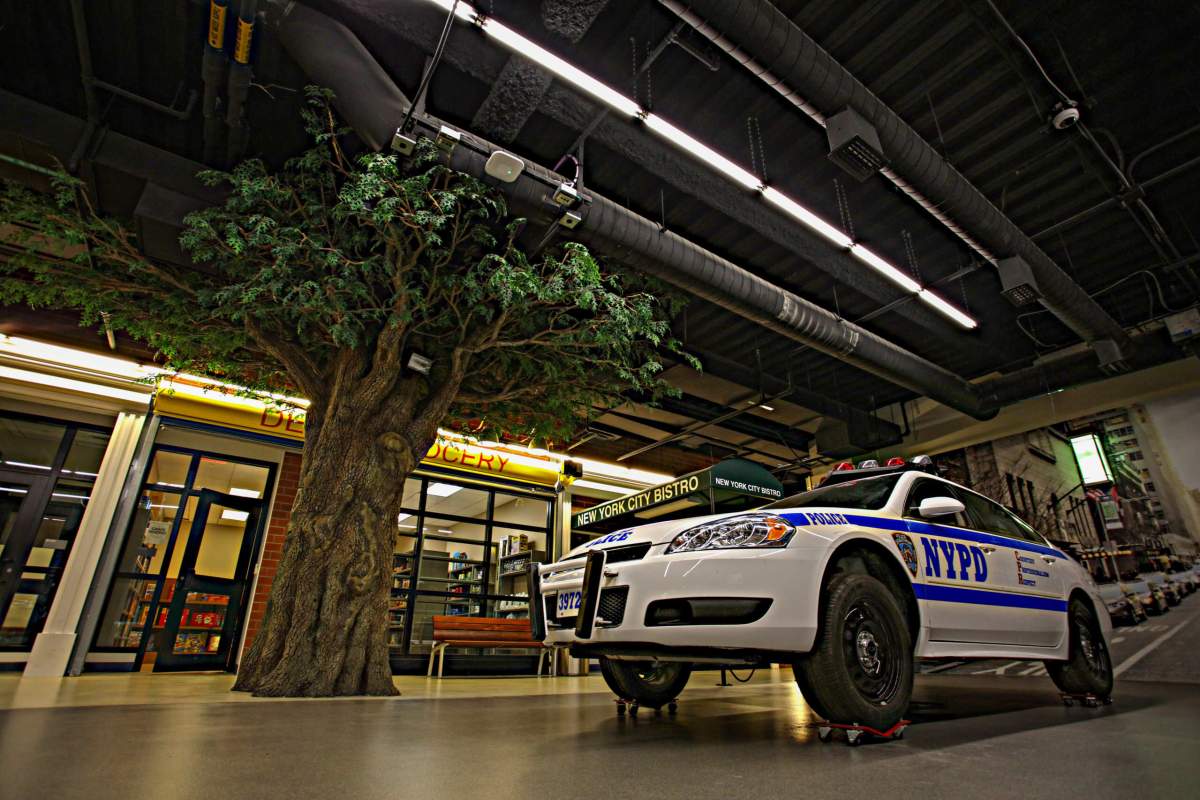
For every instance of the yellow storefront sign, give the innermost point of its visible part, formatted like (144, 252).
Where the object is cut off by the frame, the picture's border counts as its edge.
(216, 407)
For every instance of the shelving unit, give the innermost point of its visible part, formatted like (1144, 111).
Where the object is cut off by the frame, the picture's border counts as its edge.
(402, 566)
(513, 579)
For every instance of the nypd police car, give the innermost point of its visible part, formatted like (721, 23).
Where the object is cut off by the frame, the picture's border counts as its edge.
(849, 583)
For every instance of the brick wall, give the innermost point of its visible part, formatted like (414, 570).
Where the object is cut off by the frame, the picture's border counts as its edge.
(281, 515)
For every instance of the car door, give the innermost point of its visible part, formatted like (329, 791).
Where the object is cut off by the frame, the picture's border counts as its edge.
(1025, 605)
(956, 575)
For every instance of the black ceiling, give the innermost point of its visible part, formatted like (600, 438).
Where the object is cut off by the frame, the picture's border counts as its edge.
(948, 68)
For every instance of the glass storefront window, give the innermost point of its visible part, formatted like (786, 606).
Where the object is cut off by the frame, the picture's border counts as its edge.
(47, 471)
(86, 453)
(169, 469)
(30, 445)
(124, 619)
(152, 524)
(244, 480)
(456, 552)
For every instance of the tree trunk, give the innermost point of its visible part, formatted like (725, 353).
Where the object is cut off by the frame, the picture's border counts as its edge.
(326, 628)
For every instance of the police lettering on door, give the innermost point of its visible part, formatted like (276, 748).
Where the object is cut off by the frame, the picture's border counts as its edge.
(954, 560)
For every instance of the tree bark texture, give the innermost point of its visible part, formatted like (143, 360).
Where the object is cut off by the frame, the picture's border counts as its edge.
(325, 632)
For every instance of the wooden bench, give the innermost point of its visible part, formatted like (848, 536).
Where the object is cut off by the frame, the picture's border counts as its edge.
(484, 632)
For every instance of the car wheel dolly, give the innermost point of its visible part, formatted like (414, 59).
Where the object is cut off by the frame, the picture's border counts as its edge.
(1087, 699)
(855, 733)
(632, 707)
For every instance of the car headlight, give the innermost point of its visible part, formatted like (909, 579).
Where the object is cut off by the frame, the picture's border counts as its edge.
(745, 530)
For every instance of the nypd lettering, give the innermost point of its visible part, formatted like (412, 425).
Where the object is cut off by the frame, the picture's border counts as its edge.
(619, 536)
(954, 560)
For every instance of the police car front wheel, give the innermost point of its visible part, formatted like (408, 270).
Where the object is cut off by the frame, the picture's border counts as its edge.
(861, 667)
(1088, 668)
(651, 683)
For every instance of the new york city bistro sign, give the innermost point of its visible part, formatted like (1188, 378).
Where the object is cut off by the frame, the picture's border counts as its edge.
(733, 475)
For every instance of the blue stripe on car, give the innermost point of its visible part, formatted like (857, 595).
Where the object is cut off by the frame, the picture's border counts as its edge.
(957, 594)
(949, 531)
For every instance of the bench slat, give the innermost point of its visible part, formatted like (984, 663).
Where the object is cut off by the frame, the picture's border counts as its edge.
(480, 623)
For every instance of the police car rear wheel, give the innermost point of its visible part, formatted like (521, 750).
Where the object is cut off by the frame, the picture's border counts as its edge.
(1088, 670)
(651, 683)
(861, 668)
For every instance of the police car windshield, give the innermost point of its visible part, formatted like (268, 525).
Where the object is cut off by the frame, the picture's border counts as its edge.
(867, 494)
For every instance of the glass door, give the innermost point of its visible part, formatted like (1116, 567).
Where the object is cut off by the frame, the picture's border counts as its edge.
(201, 622)
(20, 579)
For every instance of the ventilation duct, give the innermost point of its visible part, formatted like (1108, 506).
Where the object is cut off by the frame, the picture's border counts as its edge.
(759, 37)
(332, 56)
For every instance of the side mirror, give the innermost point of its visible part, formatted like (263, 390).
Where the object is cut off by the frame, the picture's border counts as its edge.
(940, 507)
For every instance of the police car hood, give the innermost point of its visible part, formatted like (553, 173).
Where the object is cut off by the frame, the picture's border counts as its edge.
(663, 532)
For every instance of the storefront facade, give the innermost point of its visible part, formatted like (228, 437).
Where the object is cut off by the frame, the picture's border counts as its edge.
(144, 525)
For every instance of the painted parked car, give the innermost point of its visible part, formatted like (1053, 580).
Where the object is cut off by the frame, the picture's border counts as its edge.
(850, 583)
(1123, 606)
(1153, 601)
(1159, 581)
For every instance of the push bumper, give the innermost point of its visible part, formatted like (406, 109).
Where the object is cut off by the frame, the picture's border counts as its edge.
(718, 601)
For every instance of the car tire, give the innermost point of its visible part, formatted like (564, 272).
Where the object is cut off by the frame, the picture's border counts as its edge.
(610, 678)
(653, 684)
(1088, 668)
(860, 670)
(799, 670)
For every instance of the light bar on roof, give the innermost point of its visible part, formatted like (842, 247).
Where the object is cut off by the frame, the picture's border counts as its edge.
(617, 101)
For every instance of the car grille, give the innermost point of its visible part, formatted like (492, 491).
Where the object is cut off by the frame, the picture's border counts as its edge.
(612, 609)
(612, 606)
(615, 555)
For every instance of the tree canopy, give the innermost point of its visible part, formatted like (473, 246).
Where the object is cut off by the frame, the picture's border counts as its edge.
(335, 268)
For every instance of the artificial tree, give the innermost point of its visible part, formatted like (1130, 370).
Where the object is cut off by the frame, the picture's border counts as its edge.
(323, 278)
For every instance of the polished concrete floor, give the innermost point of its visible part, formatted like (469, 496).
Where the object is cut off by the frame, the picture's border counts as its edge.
(993, 735)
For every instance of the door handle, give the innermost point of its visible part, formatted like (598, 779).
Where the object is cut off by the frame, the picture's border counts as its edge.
(987, 548)
(1049, 559)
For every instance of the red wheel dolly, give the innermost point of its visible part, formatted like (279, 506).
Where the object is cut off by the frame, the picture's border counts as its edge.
(855, 733)
(1087, 700)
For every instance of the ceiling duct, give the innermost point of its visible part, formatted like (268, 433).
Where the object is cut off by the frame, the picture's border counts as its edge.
(764, 41)
(615, 230)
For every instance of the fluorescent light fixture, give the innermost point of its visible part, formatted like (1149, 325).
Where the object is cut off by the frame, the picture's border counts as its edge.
(868, 257)
(172, 485)
(69, 496)
(401, 517)
(621, 103)
(25, 465)
(442, 489)
(809, 219)
(571, 74)
(931, 299)
(245, 492)
(34, 350)
(766, 407)
(234, 514)
(72, 385)
(408, 527)
(13, 491)
(701, 151)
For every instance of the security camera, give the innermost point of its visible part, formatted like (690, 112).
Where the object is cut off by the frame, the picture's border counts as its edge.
(1065, 118)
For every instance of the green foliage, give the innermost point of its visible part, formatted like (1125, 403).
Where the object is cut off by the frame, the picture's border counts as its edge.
(333, 261)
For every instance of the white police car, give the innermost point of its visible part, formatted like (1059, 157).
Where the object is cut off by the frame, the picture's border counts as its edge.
(849, 583)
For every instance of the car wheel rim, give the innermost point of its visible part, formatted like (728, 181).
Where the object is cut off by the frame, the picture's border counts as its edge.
(870, 654)
(653, 673)
(1092, 649)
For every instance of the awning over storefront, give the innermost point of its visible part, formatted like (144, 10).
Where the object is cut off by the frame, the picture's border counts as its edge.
(729, 485)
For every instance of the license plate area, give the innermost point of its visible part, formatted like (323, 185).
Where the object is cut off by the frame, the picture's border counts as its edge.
(567, 604)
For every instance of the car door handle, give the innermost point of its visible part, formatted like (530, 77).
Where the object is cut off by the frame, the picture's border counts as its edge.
(1049, 559)
(987, 548)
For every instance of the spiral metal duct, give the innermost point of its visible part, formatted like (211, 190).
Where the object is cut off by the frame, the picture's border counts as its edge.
(332, 56)
(763, 40)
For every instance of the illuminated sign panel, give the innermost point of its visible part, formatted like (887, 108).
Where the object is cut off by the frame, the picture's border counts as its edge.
(1093, 466)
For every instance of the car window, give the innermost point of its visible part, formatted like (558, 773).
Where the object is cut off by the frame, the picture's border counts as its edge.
(924, 489)
(989, 516)
(868, 494)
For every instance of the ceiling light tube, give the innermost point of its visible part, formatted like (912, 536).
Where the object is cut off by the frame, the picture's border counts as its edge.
(872, 260)
(701, 151)
(461, 10)
(57, 382)
(809, 219)
(948, 310)
(572, 75)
